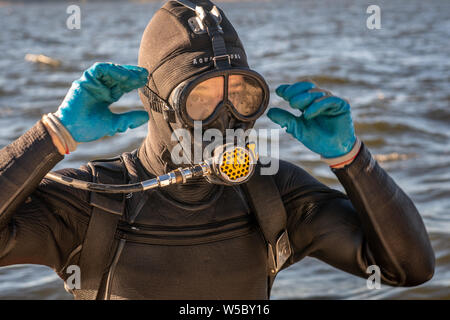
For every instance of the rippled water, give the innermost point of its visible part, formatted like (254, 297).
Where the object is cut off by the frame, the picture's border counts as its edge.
(396, 79)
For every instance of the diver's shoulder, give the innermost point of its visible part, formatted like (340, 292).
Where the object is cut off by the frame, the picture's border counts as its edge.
(282, 169)
(127, 162)
(111, 163)
(85, 171)
(290, 176)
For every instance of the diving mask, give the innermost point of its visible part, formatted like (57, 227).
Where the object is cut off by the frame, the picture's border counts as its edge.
(243, 92)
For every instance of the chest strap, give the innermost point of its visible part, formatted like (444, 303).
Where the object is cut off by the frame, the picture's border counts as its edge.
(99, 245)
(265, 200)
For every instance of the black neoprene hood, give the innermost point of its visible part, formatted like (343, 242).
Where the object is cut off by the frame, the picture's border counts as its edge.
(172, 52)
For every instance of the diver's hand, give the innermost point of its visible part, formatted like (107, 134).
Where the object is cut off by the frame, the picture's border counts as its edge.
(325, 126)
(84, 111)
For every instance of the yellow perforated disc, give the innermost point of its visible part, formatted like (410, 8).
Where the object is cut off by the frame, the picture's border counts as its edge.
(235, 164)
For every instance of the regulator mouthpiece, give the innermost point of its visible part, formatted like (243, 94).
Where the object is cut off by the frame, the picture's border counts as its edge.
(232, 164)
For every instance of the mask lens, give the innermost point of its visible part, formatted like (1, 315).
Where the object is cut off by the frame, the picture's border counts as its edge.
(204, 98)
(245, 93)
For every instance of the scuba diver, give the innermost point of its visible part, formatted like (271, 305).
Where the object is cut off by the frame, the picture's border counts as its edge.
(205, 238)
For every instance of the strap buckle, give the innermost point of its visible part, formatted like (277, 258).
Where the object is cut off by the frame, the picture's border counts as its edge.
(282, 253)
(168, 114)
(222, 58)
(283, 249)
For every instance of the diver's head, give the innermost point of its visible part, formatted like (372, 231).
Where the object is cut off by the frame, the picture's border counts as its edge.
(198, 71)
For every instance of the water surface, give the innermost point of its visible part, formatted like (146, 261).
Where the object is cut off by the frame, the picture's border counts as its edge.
(396, 79)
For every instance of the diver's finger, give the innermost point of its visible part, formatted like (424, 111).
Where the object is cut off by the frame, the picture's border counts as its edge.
(280, 89)
(317, 89)
(125, 77)
(140, 80)
(288, 91)
(132, 119)
(330, 106)
(303, 100)
(285, 119)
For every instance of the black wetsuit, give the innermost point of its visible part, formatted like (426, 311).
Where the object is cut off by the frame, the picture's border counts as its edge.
(210, 248)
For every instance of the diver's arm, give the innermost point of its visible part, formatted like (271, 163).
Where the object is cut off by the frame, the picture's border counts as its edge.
(378, 226)
(393, 227)
(47, 226)
(36, 224)
(83, 116)
(30, 232)
(23, 164)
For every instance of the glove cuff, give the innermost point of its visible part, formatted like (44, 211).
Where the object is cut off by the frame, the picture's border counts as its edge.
(346, 158)
(60, 130)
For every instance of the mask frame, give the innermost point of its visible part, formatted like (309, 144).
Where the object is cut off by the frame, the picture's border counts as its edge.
(179, 96)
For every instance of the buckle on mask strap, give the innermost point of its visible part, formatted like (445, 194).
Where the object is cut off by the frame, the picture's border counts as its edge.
(223, 61)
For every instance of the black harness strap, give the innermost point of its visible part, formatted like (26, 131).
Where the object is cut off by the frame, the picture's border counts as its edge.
(265, 200)
(211, 20)
(98, 245)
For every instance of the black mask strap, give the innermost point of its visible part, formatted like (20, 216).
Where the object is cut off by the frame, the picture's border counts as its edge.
(221, 58)
(211, 20)
(158, 104)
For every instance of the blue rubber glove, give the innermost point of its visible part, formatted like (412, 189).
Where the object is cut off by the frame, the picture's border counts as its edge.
(325, 126)
(84, 111)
